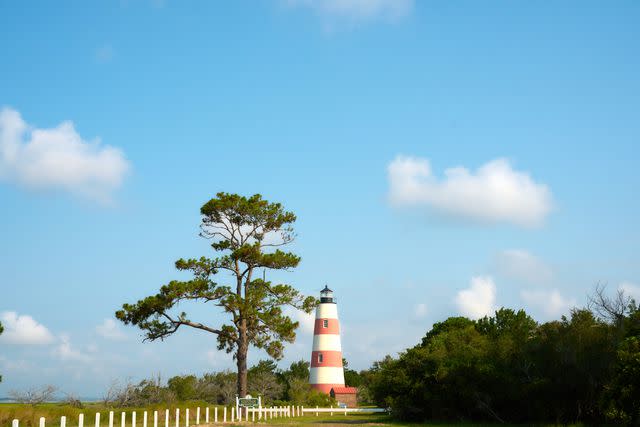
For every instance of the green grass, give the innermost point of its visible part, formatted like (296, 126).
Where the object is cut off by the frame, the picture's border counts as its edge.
(29, 416)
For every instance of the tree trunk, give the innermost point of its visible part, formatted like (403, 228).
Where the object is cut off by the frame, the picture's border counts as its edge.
(241, 359)
(243, 344)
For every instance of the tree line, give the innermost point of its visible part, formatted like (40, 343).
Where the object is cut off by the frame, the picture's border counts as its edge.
(275, 386)
(510, 368)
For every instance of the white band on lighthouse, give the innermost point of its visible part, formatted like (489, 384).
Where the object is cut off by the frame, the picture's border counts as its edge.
(326, 375)
(327, 311)
(326, 342)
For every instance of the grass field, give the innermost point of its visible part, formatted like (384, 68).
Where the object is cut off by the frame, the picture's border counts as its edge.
(29, 416)
(356, 420)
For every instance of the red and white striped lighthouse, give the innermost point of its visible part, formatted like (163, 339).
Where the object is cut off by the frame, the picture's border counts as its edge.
(326, 356)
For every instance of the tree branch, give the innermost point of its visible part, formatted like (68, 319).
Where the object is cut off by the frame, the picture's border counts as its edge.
(178, 323)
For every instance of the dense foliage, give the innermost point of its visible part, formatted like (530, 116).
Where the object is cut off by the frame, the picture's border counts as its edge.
(508, 368)
(246, 234)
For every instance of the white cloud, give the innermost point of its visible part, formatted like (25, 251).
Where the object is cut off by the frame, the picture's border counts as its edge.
(357, 10)
(495, 193)
(109, 329)
(307, 321)
(419, 311)
(23, 329)
(479, 299)
(521, 265)
(551, 302)
(631, 290)
(65, 351)
(58, 159)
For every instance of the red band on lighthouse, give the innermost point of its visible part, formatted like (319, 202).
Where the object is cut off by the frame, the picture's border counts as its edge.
(326, 326)
(326, 358)
(326, 369)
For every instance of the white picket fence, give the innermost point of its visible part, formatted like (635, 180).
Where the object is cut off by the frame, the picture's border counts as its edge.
(218, 415)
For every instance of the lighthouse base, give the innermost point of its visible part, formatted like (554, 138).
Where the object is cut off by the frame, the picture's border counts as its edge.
(326, 388)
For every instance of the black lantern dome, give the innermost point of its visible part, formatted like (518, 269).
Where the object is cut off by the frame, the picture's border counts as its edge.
(326, 295)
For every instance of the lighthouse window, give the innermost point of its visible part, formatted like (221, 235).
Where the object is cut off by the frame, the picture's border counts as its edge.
(319, 357)
(325, 323)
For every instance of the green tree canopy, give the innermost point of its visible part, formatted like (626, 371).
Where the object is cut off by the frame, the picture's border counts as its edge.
(247, 234)
(263, 381)
(185, 387)
(508, 368)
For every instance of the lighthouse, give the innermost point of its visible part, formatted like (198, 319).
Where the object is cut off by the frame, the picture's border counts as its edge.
(326, 356)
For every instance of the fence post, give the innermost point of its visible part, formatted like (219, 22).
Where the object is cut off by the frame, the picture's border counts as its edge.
(206, 415)
(110, 418)
(332, 410)
(15, 423)
(253, 415)
(233, 417)
(177, 417)
(198, 415)
(42, 421)
(302, 410)
(133, 419)
(123, 419)
(215, 414)
(316, 410)
(224, 420)
(81, 420)
(144, 419)
(97, 420)
(186, 417)
(155, 418)
(63, 422)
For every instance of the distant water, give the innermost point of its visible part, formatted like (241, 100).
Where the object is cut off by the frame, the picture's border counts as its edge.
(82, 399)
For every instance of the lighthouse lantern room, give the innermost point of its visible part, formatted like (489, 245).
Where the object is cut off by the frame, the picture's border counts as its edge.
(326, 295)
(326, 356)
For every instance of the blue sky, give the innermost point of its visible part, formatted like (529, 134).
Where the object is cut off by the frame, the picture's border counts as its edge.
(443, 158)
